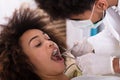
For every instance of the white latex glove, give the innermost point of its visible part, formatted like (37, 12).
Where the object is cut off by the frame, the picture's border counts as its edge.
(92, 64)
(82, 48)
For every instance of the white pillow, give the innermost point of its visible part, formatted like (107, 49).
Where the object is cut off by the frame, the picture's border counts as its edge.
(96, 78)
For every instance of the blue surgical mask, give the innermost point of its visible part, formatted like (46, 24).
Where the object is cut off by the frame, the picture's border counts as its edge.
(94, 30)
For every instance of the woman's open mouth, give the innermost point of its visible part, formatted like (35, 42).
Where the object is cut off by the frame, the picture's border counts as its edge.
(56, 56)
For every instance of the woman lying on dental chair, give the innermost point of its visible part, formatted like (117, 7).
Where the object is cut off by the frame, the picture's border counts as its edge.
(28, 53)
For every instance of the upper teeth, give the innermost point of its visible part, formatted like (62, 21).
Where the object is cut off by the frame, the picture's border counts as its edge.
(54, 52)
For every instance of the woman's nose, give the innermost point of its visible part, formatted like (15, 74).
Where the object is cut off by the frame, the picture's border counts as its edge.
(51, 44)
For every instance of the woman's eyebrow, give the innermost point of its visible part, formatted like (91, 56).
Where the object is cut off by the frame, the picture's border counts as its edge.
(32, 39)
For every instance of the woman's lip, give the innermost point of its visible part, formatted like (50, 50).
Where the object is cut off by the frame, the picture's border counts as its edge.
(54, 52)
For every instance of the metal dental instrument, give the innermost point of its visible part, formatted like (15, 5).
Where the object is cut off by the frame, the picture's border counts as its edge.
(69, 51)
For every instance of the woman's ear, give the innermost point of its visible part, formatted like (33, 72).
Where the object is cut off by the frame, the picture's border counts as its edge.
(101, 4)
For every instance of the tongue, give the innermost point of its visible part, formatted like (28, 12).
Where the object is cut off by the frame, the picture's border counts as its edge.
(56, 58)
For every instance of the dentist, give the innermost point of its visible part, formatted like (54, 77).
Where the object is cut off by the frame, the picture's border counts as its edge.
(91, 12)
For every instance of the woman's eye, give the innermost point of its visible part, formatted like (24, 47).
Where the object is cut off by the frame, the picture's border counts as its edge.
(37, 45)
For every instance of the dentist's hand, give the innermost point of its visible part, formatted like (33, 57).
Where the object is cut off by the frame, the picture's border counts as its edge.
(82, 48)
(95, 64)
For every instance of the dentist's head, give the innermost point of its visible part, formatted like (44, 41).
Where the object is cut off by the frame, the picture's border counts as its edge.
(76, 9)
(86, 13)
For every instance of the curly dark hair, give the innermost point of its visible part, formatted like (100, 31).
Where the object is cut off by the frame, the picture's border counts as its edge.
(14, 64)
(65, 8)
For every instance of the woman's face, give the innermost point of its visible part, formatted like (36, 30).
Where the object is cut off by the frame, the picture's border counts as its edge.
(42, 52)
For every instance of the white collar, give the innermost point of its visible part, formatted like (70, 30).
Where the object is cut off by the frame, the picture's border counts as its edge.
(117, 8)
(111, 29)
